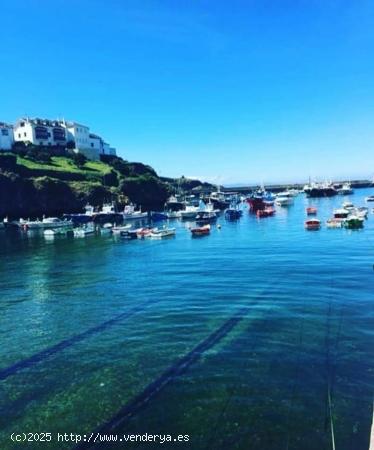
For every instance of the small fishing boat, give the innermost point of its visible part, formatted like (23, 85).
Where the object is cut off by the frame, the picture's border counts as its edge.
(201, 231)
(130, 213)
(106, 229)
(46, 223)
(370, 198)
(206, 217)
(162, 233)
(313, 224)
(57, 232)
(346, 189)
(341, 213)
(88, 230)
(284, 199)
(311, 211)
(233, 213)
(129, 234)
(174, 214)
(348, 205)
(145, 232)
(267, 212)
(82, 218)
(353, 223)
(361, 212)
(119, 229)
(334, 223)
(190, 212)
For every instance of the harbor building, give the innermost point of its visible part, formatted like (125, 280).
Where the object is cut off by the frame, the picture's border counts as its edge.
(6, 136)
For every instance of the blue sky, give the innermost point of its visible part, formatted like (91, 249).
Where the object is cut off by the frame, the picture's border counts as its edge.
(238, 91)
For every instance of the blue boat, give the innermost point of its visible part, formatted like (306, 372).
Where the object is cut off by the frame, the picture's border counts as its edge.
(233, 213)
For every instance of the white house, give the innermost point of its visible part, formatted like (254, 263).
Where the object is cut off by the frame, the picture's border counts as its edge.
(40, 132)
(6, 136)
(59, 133)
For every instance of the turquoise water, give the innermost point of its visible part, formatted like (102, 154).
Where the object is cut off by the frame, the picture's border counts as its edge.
(304, 334)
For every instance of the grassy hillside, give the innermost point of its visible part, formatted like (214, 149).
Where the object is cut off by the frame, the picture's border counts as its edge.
(33, 184)
(64, 164)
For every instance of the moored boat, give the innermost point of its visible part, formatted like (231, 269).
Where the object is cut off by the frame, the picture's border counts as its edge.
(46, 223)
(353, 223)
(200, 231)
(190, 212)
(119, 229)
(284, 199)
(370, 198)
(312, 224)
(346, 189)
(311, 211)
(174, 214)
(129, 234)
(334, 223)
(130, 213)
(320, 190)
(233, 213)
(341, 213)
(162, 233)
(348, 205)
(145, 232)
(81, 218)
(87, 230)
(267, 212)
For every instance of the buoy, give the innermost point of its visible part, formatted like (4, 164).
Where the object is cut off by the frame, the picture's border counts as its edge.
(219, 226)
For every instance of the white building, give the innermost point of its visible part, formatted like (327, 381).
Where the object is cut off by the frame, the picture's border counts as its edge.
(6, 136)
(60, 133)
(89, 144)
(40, 132)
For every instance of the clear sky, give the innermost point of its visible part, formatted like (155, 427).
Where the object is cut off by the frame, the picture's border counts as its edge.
(228, 91)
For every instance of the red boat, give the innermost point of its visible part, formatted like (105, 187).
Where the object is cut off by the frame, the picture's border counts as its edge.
(311, 211)
(200, 231)
(267, 212)
(312, 224)
(255, 204)
(144, 232)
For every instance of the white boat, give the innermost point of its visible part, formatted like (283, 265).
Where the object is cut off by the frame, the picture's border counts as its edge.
(348, 205)
(190, 212)
(119, 229)
(162, 233)
(174, 214)
(46, 223)
(334, 223)
(84, 231)
(106, 228)
(341, 213)
(284, 199)
(346, 189)
(130, 213)
(370, 198)
(361, 212)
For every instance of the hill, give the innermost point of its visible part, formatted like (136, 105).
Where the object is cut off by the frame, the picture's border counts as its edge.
(33, 184)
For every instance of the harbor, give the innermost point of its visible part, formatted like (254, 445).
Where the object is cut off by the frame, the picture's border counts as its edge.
(242, 328)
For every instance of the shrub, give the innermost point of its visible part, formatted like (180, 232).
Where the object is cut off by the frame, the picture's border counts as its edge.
(79, 159)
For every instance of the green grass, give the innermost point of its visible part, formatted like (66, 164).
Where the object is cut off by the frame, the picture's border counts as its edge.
(63, 164)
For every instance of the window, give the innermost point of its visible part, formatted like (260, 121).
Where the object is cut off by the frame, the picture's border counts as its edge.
(92, 144)
(19, 135)
(24, 134)
(5, 132)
